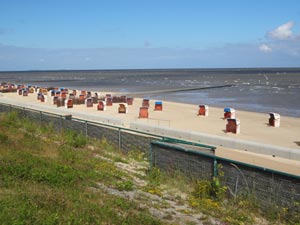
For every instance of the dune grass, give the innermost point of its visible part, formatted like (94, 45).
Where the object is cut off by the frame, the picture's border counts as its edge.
(47, 178)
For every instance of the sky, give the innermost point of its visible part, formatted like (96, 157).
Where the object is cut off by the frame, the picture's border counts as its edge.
(138, 34)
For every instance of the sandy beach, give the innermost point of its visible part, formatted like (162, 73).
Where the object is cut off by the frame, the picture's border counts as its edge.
(254, 126)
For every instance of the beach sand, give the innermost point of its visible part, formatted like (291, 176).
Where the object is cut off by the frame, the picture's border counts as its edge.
(254, 126)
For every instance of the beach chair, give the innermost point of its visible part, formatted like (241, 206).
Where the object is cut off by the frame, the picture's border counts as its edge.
(20, 91)
(203, 110)
(71, 96)
(60, 102)
(20, 86)
(39, 96)
(57, 93)
(129, 100)
(25, 92)
(101, 106)
(145, 102)
(76, 101)
(81, 99)
(229, 113)
(63, 94)
(123, 99)
(143, 112)
(52, 93)
(123, 108)
(31, 90)
(109, 101)
(54, 100)
(44, 91)
(42, 98)
(116, 99)
(233, 126)
(274, 120)
(95, 99)
(69, 103)
(89, 102)
(158, 106)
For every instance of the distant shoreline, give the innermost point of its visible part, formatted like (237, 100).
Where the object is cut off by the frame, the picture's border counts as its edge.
(164, 69)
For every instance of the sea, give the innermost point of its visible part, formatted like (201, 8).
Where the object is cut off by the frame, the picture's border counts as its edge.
(256, 89)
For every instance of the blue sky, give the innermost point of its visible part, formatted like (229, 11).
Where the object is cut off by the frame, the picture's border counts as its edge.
(86, 34)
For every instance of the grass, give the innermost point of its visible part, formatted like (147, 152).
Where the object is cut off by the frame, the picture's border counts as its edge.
(50, 178)
(44, 180)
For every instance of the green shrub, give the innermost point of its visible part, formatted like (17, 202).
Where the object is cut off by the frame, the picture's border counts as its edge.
(125, 185)
(3, 138)
(74, 139)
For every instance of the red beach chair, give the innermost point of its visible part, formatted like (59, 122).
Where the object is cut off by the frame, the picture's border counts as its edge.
(233, 126)
(69, 103)
(42, 98)
(145, 102)
(81, 99)
(158, 106)
(109, 101)
(143, 112)
(229, 113)
(203, 110)
(101, 106)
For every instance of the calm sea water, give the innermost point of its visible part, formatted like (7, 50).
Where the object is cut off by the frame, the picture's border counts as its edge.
(262, 90)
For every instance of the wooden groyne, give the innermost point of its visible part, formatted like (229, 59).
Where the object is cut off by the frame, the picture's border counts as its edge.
(135, 94)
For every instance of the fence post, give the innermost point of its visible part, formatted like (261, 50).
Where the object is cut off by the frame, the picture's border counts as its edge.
(150, 156)
(41, 118)
(215, 168)
(86, 128)
(24, 112)
(119, 130)
(61, 122)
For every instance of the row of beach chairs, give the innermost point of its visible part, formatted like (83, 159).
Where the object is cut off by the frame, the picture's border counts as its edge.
(65, 98)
